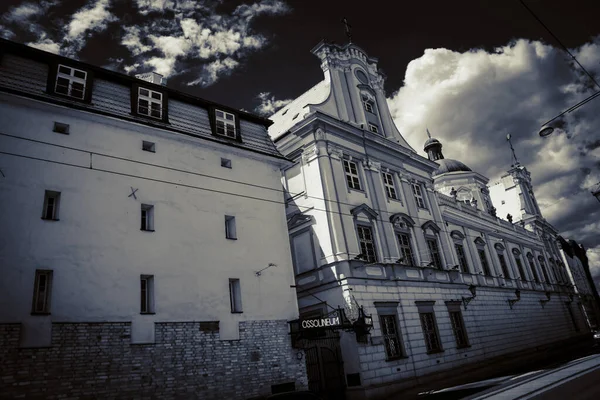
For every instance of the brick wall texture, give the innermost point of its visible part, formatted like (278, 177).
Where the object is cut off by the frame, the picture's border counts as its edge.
(97, 360)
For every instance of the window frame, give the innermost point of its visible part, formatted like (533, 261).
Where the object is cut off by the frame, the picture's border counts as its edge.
(235, 296)
(436, 255)
(349, 174)
(55, 197)
(151, 88)
(47, 295)
(532, 266)
(389, 311)
(54, 74)
(504, 266)
(425, 309)
(362, 226)
(147, 294)
(149, 216)
(485, 264)
(389, 187)
(418, 196)
(368, 105)
(212, 114)
(402, 247)
(230, 227)
(463, 263)
(545, 271)
(458, 324)
(148, 146)
(373, 128)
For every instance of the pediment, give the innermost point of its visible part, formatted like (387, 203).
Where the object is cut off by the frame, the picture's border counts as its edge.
(402, 220)
(431, 225)
(365, 210)
(299, 219)
(479, 241)
(457, 235)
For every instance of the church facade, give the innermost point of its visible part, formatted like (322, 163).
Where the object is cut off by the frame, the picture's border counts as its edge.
(130, 263)
(412, 242)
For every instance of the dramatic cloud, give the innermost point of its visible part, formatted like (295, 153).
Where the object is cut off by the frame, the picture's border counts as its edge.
(170, 37)
(195, 39)
(268, 105)
(91, 19)
(470, 101)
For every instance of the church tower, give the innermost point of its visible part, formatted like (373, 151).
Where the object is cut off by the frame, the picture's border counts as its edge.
(513, 193)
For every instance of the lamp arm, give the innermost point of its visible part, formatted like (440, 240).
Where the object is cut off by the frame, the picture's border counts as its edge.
(576, 106)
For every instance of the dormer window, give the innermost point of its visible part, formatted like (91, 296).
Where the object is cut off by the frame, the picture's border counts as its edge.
(373, 128)
(150, 103)
(368, 106)
(70, 82)
(225, 124)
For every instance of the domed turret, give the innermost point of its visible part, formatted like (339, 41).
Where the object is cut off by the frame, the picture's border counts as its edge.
(433, 147)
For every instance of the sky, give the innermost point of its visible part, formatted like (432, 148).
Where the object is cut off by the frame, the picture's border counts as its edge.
(471, 71)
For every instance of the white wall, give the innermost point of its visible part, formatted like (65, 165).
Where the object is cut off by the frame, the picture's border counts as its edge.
(97, 250)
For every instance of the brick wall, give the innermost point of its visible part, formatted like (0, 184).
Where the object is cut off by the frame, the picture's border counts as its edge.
(187, 361)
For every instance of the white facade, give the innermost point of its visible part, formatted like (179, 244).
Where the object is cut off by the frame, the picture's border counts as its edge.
(374, 224)
(94, 244)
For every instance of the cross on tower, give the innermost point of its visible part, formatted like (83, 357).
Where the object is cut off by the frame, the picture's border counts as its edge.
(512, 149)
(348, 29)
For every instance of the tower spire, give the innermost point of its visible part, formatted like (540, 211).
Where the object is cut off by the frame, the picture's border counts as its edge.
(428, 134)
(508, 137)
(348, 29)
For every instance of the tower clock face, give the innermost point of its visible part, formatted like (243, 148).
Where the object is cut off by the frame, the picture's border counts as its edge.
(361, 76)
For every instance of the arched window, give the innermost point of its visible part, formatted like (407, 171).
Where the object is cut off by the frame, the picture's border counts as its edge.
(531, 261)
(517, 255)
(544, 269)
(431, 231)
(485, 266)
(500, 251)
(403, 227)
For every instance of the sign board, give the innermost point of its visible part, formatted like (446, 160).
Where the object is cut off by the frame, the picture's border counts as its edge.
(331, 321)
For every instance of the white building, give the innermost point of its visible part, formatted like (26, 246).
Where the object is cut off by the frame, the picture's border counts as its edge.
(129, 254)
(410, 239)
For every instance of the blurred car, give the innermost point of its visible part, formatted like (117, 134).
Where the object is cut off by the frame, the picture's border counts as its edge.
(301, 395)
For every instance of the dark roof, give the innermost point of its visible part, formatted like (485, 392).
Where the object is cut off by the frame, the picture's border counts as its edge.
(450, 165)
(431, 141)
(111, 97)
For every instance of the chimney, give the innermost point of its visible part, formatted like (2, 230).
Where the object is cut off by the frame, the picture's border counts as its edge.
(153, 77)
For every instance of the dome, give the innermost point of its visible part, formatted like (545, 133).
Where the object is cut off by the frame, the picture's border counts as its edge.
(431, 141)
(449, 165)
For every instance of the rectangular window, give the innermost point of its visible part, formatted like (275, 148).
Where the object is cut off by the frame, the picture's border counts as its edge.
(388, 183)
(432, 341)
(51, 204)
(484, 262)
(59, 127)
(520, 268)
(230, 227)
(536, 277)
(147, 294)
(391, 336)
(226, 163)
(147, 217)
(416, 188)
(42, 287)
(235, 296)
(503, 266)
(462, 259)
(352, 174)
(70, 82)
(434, 253)
(225, 123)
(406, 254)
(150, 103)
(373, 128)
(149, 146)
(458, 326)
(368, 106)
(367, 243)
